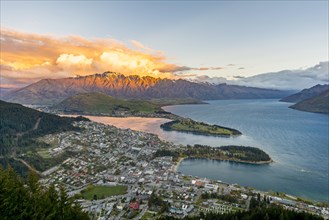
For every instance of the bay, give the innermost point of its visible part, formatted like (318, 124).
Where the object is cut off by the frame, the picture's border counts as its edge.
(297, 141)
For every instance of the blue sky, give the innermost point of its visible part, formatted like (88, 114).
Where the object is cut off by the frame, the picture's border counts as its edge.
(255, 36)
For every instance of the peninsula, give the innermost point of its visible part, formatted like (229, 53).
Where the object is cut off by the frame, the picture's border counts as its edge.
(198, 128)
(240, 154)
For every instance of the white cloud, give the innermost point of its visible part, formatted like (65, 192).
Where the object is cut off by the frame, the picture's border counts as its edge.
(71, 59)
(284, 80)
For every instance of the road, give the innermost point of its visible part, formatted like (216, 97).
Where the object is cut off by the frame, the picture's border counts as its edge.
(28, 165)
(35, 127)
(248, 202)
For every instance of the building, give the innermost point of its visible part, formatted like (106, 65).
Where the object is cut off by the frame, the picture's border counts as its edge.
(134, 205)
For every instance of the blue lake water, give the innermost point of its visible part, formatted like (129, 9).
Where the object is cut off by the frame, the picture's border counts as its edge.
(297, 141)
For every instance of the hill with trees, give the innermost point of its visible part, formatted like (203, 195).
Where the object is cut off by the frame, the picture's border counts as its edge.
(29, 200)
(98, 103)
(231, 153)
(19, 126)
(199, 128)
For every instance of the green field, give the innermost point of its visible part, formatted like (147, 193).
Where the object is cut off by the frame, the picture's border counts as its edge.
(44, 153)
(103, 191)
(190, 126)
(148, 215)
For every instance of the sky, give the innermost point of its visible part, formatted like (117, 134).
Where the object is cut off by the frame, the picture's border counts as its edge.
(220, 39)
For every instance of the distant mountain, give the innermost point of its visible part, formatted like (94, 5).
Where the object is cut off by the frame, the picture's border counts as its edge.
(98, 103)
(306, 94)
(4, 91)
(317, 104)
(50, 91)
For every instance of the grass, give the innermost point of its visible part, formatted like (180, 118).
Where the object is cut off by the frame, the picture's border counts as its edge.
(190, 126)
(44, 153)
(103, 191)
(200, 128)
(148, 215)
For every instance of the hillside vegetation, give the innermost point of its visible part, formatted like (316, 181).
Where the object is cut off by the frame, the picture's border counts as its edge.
(20, 125)
(306, 94)
(98, 103)
(20, 129)
(198, 128)
(317, 104)
(28, 200)
(231, 153)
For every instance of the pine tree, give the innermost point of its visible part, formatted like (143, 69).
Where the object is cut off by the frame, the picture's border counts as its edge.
(31, 201)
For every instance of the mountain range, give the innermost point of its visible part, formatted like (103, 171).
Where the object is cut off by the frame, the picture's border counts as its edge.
(314, 99)
(317, 104)
(306, 93)
(53, 91)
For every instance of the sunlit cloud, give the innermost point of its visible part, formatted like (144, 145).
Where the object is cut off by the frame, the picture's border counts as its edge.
(70, 59)
(28, 57)
(138, 45)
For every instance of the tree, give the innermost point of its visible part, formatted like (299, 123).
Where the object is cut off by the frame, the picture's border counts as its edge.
(31, 201)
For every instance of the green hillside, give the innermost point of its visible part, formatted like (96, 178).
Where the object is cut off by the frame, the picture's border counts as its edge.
(20, 128)
(97, 103)
(317, 104)
(19, 125)
(198, 128)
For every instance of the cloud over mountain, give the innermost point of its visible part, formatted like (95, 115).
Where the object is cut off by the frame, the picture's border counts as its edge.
(29, 57)
(284, 80)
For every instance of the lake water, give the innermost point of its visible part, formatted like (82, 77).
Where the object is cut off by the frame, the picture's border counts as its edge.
(297, 142)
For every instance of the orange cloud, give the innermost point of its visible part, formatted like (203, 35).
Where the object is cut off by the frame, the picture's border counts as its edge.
(28, 57)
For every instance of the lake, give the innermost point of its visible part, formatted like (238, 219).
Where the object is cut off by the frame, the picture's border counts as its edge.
(297, 142)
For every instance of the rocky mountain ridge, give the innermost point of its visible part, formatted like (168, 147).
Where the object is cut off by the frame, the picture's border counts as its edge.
(51, 91)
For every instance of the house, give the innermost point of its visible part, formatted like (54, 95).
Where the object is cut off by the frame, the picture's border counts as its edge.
(134, 205)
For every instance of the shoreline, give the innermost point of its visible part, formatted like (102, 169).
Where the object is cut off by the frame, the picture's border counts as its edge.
(169, 126)
(171, 117)
(165, 116)
(181, 159)
(225, 160)
(178, 163)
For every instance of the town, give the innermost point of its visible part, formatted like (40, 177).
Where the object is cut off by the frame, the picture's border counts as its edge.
(114, 174)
